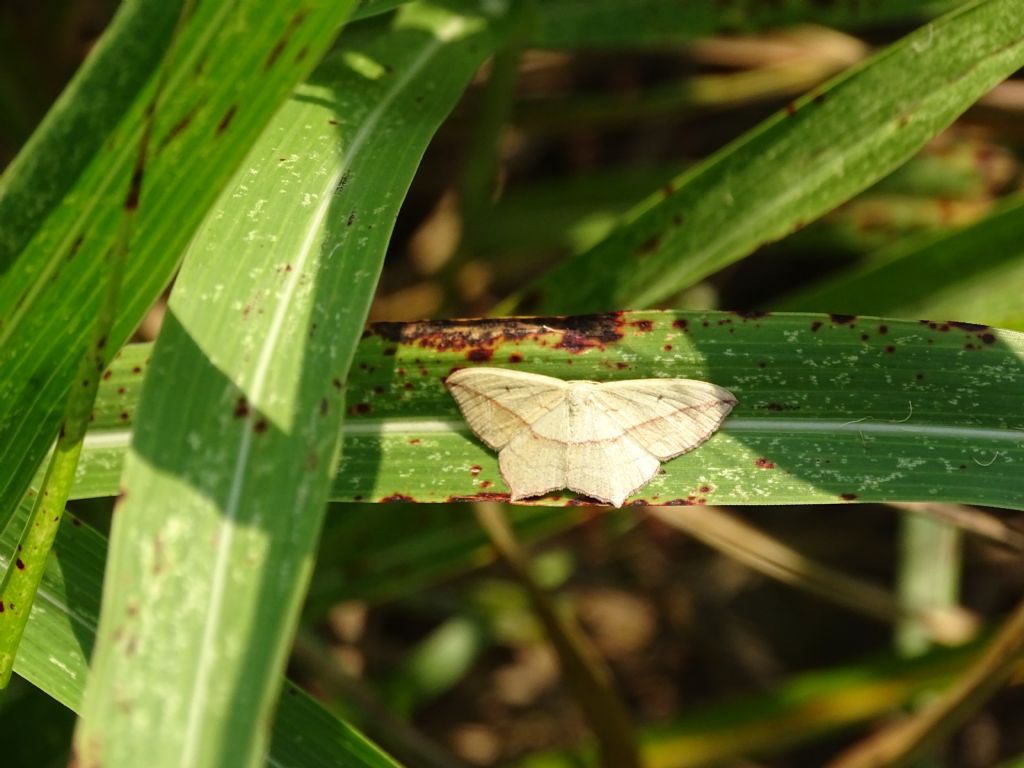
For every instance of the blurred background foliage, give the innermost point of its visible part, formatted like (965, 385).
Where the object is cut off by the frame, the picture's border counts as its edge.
(432, 647)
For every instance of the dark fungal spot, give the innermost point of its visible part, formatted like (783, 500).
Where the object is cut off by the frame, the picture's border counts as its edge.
(970, 327)
(667, 189)
(705, 489)
(679, 503)
(136, 369)
(622, 366)
(919, 376)
(848, 496)
(336, 383)
(643, 326)
(408, 385)
(842, 319)
(324, 406)
(274, 53)
(396, 498)
(342, 183)
(391, 351)
(486, 484)
(815, 326)
(988, 338)
(681, 324)
(106, 375)
(750, 314)
(763, 463)
(260, 426)
(19, 564)
(667, 347)
(226, 120)
(131, 201)
(414, 441)
(360, 408)
(648, 246)
(883, 328)
(303, 53)
(762, 364)
(481, 496)
(791, 109)
(125, 416)
(480, 355)
(241, 408)
(351, 219)
(864, 337)
(890, 349)
(515, 357)
(75, 247)
(378, 390)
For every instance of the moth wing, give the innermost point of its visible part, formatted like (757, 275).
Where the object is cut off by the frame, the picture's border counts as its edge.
(667, 417)
(534, 461)
(498, 403)
(603, 461)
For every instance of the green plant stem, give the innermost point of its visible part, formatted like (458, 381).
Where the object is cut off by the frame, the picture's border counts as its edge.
(585, 673)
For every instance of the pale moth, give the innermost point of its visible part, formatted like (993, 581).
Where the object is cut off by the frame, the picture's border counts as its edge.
(603, 440)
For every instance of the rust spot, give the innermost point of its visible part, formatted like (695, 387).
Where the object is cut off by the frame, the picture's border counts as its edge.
(848, 496)
(260, 426)
(396, 497)
(124, 416)
(622, 366)
(106, 376)
(815, 326)
(681, 324)
(842, 319)
(486, 484)
(480, 355)
(578, 333)
(475, 470)
(763, 463)
(687, 502)
(482, 496)
(408, 385)
(131, 201)
(515, 357)
(76, 247)
(414, 441)
(705, 489)
(667, 347)
(643, 326)
(648, 246)
(241, 408)
(226, 120)
(136, 369)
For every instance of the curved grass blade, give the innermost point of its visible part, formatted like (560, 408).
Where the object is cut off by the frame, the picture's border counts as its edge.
(60, 201)
(936, 275)
(61, 631)
(238, 429)
(818, 152)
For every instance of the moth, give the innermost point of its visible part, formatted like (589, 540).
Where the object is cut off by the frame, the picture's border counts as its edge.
(605, 440)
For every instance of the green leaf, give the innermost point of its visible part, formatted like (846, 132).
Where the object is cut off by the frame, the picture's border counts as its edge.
(224, 70)
(62, 628)
(238, 429)
(831, 408)
(807, 159)
(968, 274)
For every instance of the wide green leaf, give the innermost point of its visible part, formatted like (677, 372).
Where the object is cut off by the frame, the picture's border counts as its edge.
(222, 72)
(237, 433)
(818, 152)
(832, 408)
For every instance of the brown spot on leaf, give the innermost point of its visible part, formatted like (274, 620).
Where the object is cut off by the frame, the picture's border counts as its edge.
(480, 355)
(475, 470)
(643, 326)
(260, 426)
(842, 319)
(515, 357)
(681, 324)
(396, 497)
(848, 496)
(763, 463)
(815, 326)
(226, 120)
